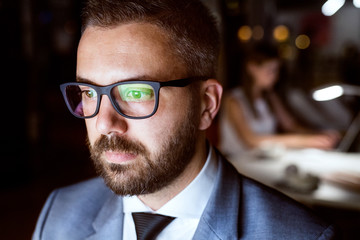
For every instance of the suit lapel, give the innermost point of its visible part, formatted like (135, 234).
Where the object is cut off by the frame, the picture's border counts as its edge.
(220, 218)
(109, 222)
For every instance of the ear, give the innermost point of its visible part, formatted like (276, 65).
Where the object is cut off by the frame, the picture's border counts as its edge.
(210, 102)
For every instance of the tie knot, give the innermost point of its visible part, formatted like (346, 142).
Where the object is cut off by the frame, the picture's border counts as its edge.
(149, 225)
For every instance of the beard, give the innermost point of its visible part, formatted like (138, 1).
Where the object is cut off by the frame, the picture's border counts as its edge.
(147, 173)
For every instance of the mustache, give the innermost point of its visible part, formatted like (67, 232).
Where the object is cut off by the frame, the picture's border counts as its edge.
(118, 144)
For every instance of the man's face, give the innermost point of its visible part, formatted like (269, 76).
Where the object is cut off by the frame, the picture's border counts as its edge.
(138, 156)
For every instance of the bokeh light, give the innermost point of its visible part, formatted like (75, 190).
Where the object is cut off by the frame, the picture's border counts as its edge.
(356, 3)
(302, 41)
(244, 33)
(281, 33)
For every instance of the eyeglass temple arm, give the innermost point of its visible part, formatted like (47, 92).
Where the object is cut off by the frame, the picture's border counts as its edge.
(182, 82)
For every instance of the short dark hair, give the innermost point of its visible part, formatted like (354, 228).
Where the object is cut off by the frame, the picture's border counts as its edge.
(191, 27)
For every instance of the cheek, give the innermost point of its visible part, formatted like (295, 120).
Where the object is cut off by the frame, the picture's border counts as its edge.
(155, 131)
(264, 78)
(172, 111)
(91, 130)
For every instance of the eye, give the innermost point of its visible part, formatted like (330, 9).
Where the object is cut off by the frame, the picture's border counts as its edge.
(136, 92)
(89, 93)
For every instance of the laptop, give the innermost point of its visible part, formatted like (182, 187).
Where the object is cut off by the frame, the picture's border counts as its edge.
(350, 135)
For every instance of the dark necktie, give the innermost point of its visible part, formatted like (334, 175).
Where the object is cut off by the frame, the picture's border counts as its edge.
(149, 225)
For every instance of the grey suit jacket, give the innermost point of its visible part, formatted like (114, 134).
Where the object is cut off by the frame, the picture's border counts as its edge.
(239, 208)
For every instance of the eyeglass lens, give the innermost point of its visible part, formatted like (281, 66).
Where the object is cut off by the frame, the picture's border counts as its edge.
(131, 99)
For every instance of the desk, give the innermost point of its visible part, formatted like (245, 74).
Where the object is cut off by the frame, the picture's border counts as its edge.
(317, 162)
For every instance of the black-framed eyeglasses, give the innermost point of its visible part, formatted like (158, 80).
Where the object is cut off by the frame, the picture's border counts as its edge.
(131, 99)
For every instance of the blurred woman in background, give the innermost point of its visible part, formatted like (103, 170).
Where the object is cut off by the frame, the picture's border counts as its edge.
(253, 114)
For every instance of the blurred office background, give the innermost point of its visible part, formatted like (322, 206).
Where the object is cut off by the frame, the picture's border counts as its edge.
(43, 145)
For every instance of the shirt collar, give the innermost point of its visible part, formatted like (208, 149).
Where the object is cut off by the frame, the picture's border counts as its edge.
(189, 203)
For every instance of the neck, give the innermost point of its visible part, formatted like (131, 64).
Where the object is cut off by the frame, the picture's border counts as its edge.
(256, 92)
(158, 199)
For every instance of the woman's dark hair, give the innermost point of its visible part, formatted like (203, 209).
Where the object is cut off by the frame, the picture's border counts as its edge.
(189, 25)
(261, 53)
(258, 55)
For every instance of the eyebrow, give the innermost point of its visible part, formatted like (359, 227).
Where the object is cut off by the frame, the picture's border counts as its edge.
(84, 80)
(140, 78)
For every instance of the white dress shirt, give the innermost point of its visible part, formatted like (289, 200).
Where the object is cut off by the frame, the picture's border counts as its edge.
(187, 206)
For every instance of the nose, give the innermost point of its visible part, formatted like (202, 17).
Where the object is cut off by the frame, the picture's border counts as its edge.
(109, 121)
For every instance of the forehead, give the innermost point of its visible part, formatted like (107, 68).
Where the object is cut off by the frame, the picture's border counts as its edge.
(128, 51)
(271, 63)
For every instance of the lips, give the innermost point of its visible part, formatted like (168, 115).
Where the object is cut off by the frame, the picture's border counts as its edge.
(119, 157)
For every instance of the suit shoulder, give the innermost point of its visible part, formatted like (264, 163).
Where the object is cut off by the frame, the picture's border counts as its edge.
(275, 214)
(90, 187)
(248, 209)
(85, 195)
(72, 208)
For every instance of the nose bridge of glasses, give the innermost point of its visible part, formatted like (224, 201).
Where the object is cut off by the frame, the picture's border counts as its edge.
(106, 104)
(104, 90)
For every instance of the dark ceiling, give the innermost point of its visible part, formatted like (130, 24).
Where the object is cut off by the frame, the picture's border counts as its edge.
(290, 4)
